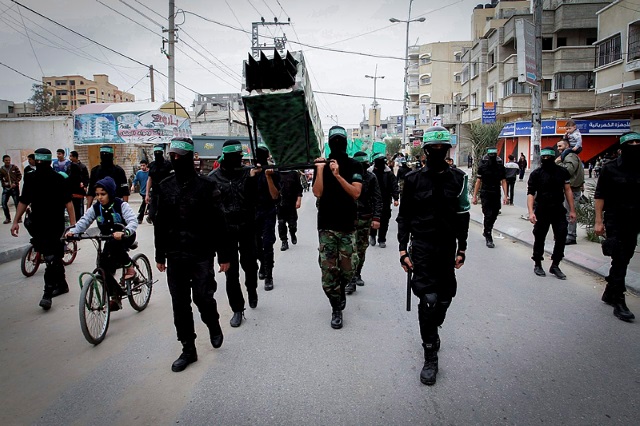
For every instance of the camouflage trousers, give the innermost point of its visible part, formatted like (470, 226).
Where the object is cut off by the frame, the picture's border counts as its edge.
(363, 227)
(336, 258)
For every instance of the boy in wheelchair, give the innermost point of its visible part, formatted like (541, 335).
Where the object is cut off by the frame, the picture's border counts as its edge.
(115, 217)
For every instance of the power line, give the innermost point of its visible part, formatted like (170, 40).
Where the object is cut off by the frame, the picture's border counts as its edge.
(30, 44)
(137, 11)
(149, 9)
(237, 20)
(128, 18)
(22, 74)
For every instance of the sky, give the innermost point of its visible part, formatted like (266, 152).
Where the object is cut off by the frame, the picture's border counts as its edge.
(209, 56)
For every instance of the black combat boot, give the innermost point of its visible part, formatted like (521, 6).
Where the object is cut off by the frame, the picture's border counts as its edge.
(45, 302)
(430, 368)
(188, 356)
(261, 274)
(216, 336)
(252, 293)
(555, 270)
(236, 319)
(537, 269)
(351, 287)
(489, 239)
(620, 309)
(294, 239)
(284, 246)
(268, 280)
(359, 280)
(336, 319)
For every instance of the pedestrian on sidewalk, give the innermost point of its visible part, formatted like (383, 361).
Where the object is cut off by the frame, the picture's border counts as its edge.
(390, 193)
(290, 202)
(337, 185)
(570, 161)
(141, 178)
(189, 230)
(590, 169)
(10, 177)
(369, 206)
(511, 170)
(239, 187)
(159, 169)
(266, 216)
(547, 189)
(469, 160)
(108, 168)
(617, 213)
(434, 216)
(47, 195)
(61, 164)
(79, 181)
(31, 167)
(491, 176)
(522, 164)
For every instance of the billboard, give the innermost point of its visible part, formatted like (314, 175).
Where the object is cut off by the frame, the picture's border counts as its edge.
(526, 50)
(489, 112)
(557, 127)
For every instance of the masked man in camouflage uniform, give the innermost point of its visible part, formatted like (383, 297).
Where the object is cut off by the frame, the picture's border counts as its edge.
(369, 213)
(337, 185)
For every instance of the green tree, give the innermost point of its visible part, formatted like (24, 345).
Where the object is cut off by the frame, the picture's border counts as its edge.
(393, 145)
(482, 136)
(44, 99)
(416, 151)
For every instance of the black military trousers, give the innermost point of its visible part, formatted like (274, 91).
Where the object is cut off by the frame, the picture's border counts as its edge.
(266, 238)
(624, 236)
(433, 281)
(556, 219)
(51, 250)
(381, 233)
(287, 215)
(243, 242)
(189, 276)
(490, 209)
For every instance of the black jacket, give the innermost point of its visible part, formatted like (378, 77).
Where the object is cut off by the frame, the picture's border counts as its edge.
(190, 220)
(239, 194)
(388, 183)
(619, 187)
(116, 173)
(291, 188)
(370, 200)
(434, 206)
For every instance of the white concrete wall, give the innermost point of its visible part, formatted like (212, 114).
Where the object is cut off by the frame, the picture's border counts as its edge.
(31, 133)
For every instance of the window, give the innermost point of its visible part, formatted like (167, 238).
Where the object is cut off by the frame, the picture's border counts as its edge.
(61, 82)
(608, 51)
(574, 80)
(425, 79)
(72, 82)
(457, 56)
(490, 93)
(474, 100)
(634, 41)
(82, 102)
(590, 41)
(465, 74)
(92, 92)
(93, 102)
(547, 43)
(63, 103)
(425, 60)
(81, 82)
(512, 87)
(61, 93)
(48, 83)
(82, 92)
(425, 99)
(561, 42)
(457, 77)
(474, 69)
(546, 85)
(491, 58)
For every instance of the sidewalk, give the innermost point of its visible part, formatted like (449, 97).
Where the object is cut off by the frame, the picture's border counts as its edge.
(586, 254)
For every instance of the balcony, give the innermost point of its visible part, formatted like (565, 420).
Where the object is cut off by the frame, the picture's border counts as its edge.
(414, 51)
(520, 103)
(570, 58)
(413, 89)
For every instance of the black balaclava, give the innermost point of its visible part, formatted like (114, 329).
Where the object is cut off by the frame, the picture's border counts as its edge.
(379, 163)
(262, 155)
(158, 154)
(630, 155)
(106, 157)
(493, 158)
(41, 164)
(183, 162)
(338, 143)
(231, 160)
(435, 158)
(547, 159)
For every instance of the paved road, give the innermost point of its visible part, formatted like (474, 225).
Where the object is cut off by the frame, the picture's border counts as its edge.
(517, 349)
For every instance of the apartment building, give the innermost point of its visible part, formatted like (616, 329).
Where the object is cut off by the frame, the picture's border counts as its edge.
(75, 90)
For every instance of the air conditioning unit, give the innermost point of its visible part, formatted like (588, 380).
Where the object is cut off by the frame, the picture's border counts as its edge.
(552, 96)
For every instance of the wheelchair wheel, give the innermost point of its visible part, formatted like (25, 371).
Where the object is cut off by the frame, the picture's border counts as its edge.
(30, 262)
(70, 252)
(139, 287)
(94, 309)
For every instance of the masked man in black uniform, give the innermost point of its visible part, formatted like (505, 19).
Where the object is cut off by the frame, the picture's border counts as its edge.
(434, 216)
(239, 187)
(290, 201)
(491, 175)
(48, 195)
(190, 230)
(617, 197)
(547, 189)
(390, 193)
(104, 169)
(159, 169)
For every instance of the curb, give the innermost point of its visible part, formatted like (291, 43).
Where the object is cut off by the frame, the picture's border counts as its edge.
(581, 260)
(12, 254)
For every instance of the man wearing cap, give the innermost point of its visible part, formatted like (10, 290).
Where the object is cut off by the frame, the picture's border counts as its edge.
(159, 169)
(547, 189)
(104, 169)
(389, 192)
(434, 217)
(266, 206)
(46, 193)
(189, 231)
(369, 211)
(491, 176)
(617, 213)
(337, 185)
(239, 187)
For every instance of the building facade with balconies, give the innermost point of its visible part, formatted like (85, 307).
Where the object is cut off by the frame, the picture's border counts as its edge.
(75, 90)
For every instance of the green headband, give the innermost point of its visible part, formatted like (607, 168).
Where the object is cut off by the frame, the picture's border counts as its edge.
(630, 137)
(361, 158)
(63, 174)
(43, 157)
(436, 136)
(378, 155)
(337, 131)
(181, 145)
(158, 148)
(231, 148)
(107, 149)
(547, 152)
(492, 151)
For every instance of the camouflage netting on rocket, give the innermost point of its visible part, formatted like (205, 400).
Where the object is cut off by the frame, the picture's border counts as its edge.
(278, 95)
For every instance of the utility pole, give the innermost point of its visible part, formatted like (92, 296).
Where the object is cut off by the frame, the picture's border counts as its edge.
(278, 42)
(172, 57)
(536, 90)
(153, 90)
(374, 105)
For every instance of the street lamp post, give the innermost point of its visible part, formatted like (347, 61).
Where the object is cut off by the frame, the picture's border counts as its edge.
(375, 78)
(406, 71)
